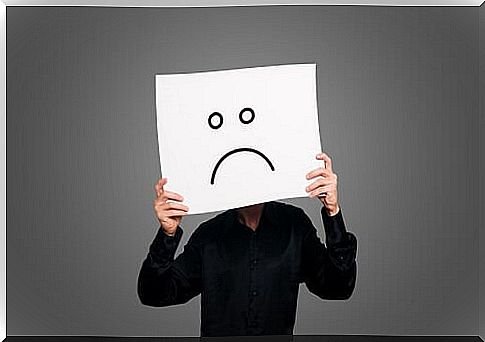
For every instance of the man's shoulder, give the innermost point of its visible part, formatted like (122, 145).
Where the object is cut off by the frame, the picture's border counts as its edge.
(286, 209)
(212, 227)
(291, 215)
(284, 205)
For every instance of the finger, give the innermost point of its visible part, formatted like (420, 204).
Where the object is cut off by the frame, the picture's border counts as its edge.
(328, 161)
(159, 186)
(174, 213)
(159, 205)
(320, 155)
(315, 184)
(161, 182)
(175, 205)
(173, 196)
(323, 189)
(159, 201)
(320, 171)
(318, 183)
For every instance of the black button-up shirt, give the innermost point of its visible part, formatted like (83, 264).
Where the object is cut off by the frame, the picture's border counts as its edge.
(249, 279)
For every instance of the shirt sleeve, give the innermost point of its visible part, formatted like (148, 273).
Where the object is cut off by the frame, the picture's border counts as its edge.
(330, 270)
(165, 281)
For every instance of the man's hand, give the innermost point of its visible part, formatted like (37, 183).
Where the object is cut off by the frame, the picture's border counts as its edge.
(325, 185)
(168, 213)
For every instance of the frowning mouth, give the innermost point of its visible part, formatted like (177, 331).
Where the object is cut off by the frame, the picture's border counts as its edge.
(237, 150)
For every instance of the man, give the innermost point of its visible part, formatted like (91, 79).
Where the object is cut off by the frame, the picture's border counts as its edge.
(247, 263)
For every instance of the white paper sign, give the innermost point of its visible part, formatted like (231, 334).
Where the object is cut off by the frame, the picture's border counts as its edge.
(233, 138)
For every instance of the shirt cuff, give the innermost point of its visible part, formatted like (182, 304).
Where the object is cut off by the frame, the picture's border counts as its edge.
(334, 226)
(164, 246)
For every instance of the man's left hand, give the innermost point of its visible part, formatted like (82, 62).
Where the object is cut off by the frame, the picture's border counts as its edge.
(325, 185)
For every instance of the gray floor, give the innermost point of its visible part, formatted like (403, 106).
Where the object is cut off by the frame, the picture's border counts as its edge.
(326, 338)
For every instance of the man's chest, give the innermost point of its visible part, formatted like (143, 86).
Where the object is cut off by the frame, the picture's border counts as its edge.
(241, 258)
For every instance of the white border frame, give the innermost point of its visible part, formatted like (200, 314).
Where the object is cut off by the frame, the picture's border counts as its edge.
(134, 3)
(3, 186)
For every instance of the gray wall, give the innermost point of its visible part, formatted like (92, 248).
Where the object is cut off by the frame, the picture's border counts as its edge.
(398, 94)
(482, 170)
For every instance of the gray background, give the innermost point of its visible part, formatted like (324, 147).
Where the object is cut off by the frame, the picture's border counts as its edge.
(398, 101)
(482, 170)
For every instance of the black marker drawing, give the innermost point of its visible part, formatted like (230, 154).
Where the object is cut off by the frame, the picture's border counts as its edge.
(241, 149)
(244, 111)
(211, 120)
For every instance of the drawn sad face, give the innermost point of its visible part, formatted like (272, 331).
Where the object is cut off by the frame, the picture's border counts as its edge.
(246, 117)
(231, 138)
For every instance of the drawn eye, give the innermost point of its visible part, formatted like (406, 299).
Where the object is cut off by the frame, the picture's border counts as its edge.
(215, 120)
(246, 115)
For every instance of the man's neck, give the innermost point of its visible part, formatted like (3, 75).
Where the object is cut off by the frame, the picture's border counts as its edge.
(250, 215)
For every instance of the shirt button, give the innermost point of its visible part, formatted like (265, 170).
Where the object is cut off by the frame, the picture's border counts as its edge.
(255, 262)
(254, 293)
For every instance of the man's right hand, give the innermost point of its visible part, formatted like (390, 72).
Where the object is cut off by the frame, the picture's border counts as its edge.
(168, 213)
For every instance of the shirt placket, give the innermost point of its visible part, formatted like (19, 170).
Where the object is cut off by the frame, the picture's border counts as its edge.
(254, 286)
